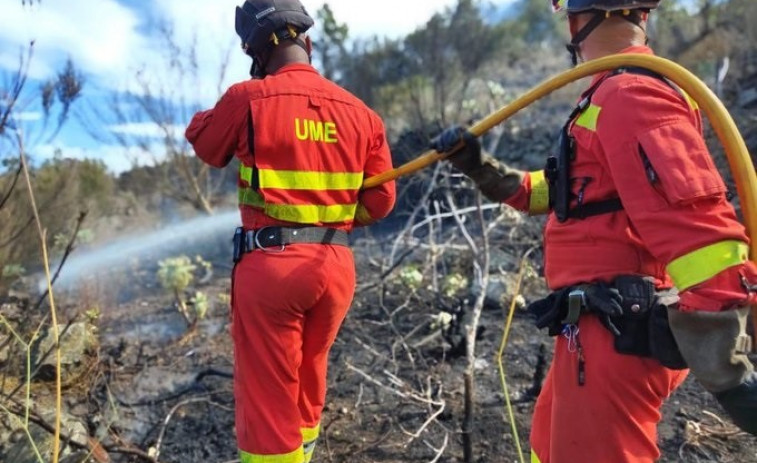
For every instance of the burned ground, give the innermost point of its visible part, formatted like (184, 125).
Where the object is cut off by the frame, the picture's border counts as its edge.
(395, 384)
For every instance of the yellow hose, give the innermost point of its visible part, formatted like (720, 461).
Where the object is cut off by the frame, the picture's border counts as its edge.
(726, 130)
(735, 149)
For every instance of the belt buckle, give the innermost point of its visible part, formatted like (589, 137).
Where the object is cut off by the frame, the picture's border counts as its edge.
(576, 303)
(282, 246)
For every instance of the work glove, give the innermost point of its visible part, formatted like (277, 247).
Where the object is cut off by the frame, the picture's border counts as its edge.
(553, 311)
(714, 345)
(468, 158)
(606, 302)
(496, 180)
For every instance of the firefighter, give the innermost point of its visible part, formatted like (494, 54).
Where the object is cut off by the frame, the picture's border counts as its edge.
(643, 253)
(304, 146)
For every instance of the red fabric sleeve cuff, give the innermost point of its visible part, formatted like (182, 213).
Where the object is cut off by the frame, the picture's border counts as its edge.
(733, 287)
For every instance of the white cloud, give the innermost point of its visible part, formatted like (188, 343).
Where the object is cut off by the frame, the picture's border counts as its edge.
(98, 35)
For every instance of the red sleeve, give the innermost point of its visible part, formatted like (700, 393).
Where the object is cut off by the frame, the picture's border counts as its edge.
(669, 185)
(520, 200)
(213, 133)
(377, 202)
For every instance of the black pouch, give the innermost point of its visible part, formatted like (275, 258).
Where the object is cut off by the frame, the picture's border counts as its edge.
(638, 300)
(662, 343)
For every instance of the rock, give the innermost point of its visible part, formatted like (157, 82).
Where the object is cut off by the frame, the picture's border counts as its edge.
(501, 288)
(22, 451)
(76, 343)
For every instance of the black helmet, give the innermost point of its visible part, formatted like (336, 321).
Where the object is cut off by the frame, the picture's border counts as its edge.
(260, 22)
(577, 6)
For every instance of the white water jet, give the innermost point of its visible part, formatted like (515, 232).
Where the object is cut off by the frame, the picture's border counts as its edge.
(175, 238)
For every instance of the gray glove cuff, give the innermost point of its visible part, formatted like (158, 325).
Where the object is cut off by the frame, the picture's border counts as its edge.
(714, 344)
(496, 180)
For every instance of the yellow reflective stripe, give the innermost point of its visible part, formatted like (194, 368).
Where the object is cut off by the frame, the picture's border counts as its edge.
(310, 180)
(311, 213)
(245, 173)
(363, 216)
(250, 197)
(298, 456)
(310, 434)
(704, 263)
(538, 202)
(534, 457)
(588, 119)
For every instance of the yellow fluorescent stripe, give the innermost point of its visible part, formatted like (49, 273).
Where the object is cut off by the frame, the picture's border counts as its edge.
(310, 180)
(298, 456)
(245, 173)
(250, 197)
(704, 263)
(310, 434)
(588, 119)
(311, 213)
(538, 202)
(534, 457)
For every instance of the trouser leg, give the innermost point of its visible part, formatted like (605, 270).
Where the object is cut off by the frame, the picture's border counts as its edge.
(613, 416)
(272, 294)
(322, 322)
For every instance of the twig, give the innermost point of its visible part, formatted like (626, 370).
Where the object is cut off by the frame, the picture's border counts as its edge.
(159, 441)
(387, 272)
(405, 395)
(66, 253)
(439, 451)
(53, 315)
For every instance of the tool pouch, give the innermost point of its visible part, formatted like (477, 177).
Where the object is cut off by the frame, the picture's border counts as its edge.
(644, 327)
(638, 302)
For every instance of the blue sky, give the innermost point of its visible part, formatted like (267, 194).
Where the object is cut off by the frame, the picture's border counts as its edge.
(110, 40)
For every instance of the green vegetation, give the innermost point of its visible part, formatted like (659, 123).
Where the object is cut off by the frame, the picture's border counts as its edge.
(176, 274)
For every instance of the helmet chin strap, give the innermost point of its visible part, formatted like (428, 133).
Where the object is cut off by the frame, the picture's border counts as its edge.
(632, 16)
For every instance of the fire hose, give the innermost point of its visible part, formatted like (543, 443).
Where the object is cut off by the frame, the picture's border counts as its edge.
(739, 160)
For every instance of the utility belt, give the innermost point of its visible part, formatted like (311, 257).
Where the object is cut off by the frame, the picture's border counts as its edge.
(631, 308)
(276, 239)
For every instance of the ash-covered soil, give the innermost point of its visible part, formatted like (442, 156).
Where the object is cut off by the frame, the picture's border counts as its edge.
(396, 385)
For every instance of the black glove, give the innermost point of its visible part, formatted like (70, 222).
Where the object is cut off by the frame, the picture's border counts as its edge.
(741, 404)
(599, 298)
(469, 157)
(549, 312)
(606, 302)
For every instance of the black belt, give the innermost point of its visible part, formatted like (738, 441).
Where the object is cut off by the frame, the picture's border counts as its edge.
(280, 237)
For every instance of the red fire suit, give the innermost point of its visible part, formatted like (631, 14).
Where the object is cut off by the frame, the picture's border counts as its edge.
(640, 140)
(304, 146)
